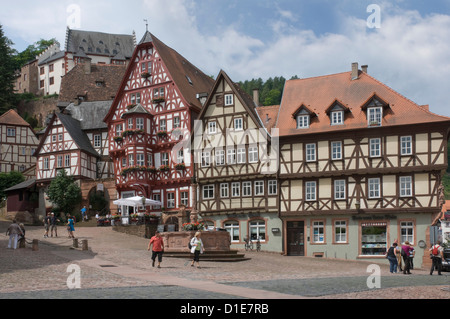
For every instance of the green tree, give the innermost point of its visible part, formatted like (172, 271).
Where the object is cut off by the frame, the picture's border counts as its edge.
(64, 192)
(7, 69)
(33, 50)
(8, 180)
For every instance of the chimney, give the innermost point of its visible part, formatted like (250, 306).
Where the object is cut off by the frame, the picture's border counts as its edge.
(256, 96)
(354, 71)
(87, 66)
(364, 68)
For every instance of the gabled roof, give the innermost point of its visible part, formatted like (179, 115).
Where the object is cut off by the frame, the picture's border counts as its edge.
(138, 109)
(318, 92)
(268, 115)
(189, 79)
(89, 114)
(243, 97)
(11, 117)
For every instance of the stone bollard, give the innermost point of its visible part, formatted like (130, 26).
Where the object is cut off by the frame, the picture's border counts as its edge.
(75, 243)
(84, 244)
(35, 246)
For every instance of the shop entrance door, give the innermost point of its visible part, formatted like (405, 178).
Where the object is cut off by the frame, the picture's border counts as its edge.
(296, 238)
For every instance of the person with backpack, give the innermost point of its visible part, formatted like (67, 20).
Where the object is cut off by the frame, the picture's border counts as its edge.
(437, 253)
(391, 255)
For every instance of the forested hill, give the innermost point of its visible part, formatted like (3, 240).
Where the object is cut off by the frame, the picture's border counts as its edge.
(270, 91)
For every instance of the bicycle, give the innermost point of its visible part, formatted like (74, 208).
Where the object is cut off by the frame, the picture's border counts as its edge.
(248, 244)
(258, 245)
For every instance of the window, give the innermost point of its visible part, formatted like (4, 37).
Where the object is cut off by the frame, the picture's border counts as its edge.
(318, 232)
(53, 138)
(247, 189)
(340, 231)
(140, 159)
(405, 186)
(118, 129)
(162, 125)
(67, 160)
(139, 123)
(51, 68)
(170, 200)
(339, 189)
(208, 192)
(180, 157)
(176, 122)
(407, 232)
(206, 159)
(310, 191)
(258, 230)
(337, 117)
(124, 161)
(60, 137)
(336, 150)
(238, 124)
(406, 145)
(374, 188)
(130, 160)
(224, 190)
(41, 84)
(235, 189)
(156, 197)
(158, 93)
(374, 238)
(253, 154)
(212, 127)
(233, 228)
(52, 80)
(259, 188)
(375, 147)
(130, 123)
(97, 140)
(228, 99)
(220, 157)
(59, 162)
(46, 163)
(272, 187)
(11, 132)
(374, 116)
(165, 159)
(231, 156)
(184, 198)
(302, 121)
(41, 70)
(241, 155)
(311, 152)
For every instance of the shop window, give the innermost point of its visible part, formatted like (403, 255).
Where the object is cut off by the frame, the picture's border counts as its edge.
(374, 239)
(233, 228)
(258, 230)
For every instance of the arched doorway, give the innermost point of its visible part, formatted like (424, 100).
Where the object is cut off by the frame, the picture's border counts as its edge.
(99, 201)
(172, 224)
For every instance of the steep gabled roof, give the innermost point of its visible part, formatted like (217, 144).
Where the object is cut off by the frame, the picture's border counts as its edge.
(189, 79)
(319, 92)
(11, 117)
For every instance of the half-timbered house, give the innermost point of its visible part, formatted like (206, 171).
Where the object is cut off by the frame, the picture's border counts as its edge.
(18, 142)
(360, 166)
(159, 98)
(238, 191)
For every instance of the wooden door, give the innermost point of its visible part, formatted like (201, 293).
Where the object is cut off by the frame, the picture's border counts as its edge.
(296, 238)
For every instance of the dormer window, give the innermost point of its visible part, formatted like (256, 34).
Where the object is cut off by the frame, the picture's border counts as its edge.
(303, 121)
(336, 111)
(374, 116)
(375, 108)
(337, 117)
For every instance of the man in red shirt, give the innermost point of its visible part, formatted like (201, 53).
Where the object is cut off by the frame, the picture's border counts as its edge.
(157, 249)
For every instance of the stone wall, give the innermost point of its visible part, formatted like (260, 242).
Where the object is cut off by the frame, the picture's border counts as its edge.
(40, 108)
(145, 231)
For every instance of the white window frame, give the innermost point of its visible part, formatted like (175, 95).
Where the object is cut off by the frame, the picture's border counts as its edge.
(165, 159)
(235, 189)
(257, 229)
(310, 191)
(253, 154)
(375, 147)
(130, 123)
(337, 117)
(339, 236)
(336, 150)
(229, 99)
(303, 121)
(212, 127)
(176, 122)
(272, 187)
(407, 231)
(46, 163)
(140, 159)
(10, 132)
(311, 152)
(231, 156)
(224, 190)
(170, 200)
(206, 159)
(318, 229)
(406, 145)
(247, 189)
(184, 198)
(238, 124)
(259, 188)
(405, 186)
(241, 156)
(220, 157)
(67, 160)
(374, 116)
(232, 227)
(374, 187)
(340, 189)
(139, 123)
(97, 140)
(208, 190)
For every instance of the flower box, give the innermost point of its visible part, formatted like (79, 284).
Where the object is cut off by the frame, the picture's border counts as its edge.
(145, 75)
(118, 139)
(158, 100)
(161, 134)
(180, 166)
(193, 226)
(164, 168)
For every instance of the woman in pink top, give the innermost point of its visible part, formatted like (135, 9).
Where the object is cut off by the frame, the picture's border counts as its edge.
(406, 248)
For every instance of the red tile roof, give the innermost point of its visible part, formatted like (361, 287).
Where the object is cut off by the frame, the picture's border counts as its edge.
(12, 118)
(318, 94)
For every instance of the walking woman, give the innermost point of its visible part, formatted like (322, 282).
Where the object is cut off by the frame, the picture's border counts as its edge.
(70, 226)
(392, 257)
(197, 248)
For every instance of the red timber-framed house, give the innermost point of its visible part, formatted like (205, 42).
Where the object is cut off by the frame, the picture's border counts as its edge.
(160, 95)
(237, 181)
(360, 167)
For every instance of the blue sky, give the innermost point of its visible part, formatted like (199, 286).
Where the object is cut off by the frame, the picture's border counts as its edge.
(410, 51)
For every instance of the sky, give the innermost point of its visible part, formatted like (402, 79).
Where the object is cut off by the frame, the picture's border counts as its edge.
(405, 43)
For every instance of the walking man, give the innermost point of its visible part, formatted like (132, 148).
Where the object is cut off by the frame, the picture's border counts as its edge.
(14, 231)
(157, 244)
(437, 253)
(53, 224)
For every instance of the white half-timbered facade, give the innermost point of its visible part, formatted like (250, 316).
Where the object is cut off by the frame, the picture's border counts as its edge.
(152, 114)
(360, 167)
(237, 189)
(18, 143)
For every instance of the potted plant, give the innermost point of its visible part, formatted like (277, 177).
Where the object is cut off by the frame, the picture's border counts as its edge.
(180, 166)
(164, 168)
(118, 139)
(145, 75)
